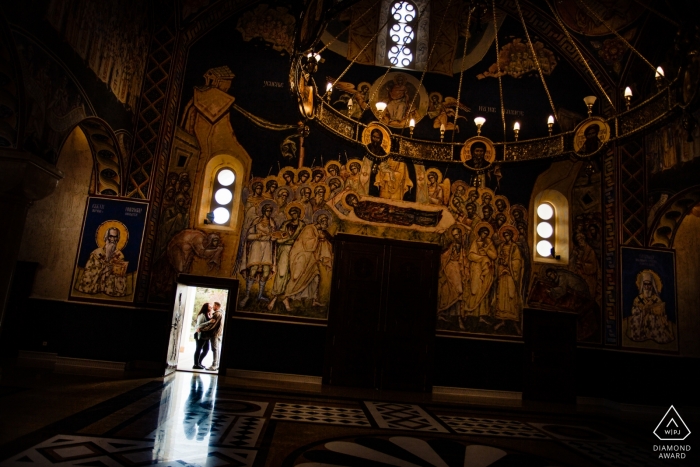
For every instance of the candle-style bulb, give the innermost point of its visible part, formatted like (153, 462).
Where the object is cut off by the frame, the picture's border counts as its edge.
(516, 126)
(628, 92)
(660, 72)
(550, 120)
(412, 123)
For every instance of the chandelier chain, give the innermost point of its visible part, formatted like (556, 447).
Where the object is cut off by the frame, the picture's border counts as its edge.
(430, 54)
(591, 12)
(391, 65)
(352, 23)
(498, 68)
(537, 60)
(580, 54)
(461, 71)
(657, 13)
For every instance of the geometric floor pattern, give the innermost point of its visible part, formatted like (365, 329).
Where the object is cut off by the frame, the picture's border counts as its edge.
(316, 414)
(573, 433)
(617, 455)
(403, 417)
(84, 451)
(490, 427)
(236, 431)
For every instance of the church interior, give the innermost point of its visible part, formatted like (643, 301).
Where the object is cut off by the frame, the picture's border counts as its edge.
(349, 232)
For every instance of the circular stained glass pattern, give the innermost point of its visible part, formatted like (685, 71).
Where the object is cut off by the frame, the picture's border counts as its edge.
(544, 248)
(221, 215)
(406, 451)
(545, 211)
(226, 177)
(223, 196)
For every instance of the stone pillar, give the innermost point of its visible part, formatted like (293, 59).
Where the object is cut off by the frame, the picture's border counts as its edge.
(24, 178)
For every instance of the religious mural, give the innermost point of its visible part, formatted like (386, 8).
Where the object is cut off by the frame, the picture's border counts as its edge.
(111, 37)
(296, 197)
(109, 252)
(649, 314)
(55, 102)
(578, 286)
(274, 26)
(515, 59)
(613, 14)
(672, 146)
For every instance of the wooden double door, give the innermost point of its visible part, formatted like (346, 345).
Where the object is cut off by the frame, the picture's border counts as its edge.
(383, 306)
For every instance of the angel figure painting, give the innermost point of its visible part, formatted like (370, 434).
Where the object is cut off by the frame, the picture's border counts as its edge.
(443, 111)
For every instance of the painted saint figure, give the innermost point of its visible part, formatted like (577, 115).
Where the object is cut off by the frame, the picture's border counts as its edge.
(389, 214)
(105, 270)
(509, 275)
(393, 179)
(454, 274)
(310, 263)
(285, 238)
(482, 257)
(258, 259)
(649, 320)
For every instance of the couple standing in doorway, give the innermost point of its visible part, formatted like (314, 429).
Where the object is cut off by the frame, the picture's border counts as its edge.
(208, 330)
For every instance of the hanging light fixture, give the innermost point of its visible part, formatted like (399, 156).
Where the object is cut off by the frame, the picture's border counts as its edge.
(442, 132)
(516, 129)
(381, 106)
(659, 77)
(479, 121)
(628, 96)
(550, 124)
(411, 126)
(590, 100)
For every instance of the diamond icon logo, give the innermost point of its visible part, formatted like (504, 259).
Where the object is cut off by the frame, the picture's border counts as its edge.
(672, 427)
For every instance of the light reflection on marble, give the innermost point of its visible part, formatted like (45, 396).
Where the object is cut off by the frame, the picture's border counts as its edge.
(185, 418)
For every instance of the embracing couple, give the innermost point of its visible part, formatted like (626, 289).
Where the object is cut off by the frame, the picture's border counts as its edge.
(208, 330)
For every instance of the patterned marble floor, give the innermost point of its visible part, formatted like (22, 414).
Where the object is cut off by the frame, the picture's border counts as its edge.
(194, 419)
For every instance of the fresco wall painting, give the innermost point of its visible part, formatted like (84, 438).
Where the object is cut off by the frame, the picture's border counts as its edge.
(649, 312)
(109, 251)
(112, 41)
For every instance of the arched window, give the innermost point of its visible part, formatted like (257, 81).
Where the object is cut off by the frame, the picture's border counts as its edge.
(551, 232)
(402, 34)
(220, 198)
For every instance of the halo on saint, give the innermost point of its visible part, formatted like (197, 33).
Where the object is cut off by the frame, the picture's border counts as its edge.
(437, 173)
(293, 204)
(590, 136)
(333, 166)
(112, 224)
(267, 202)
(483, 225)
(351, 162)
(461, 227)
(292, 174)
(458, 183)
(509, 228)
(377, 139)
(478, 153)
(344, 202)
(254, 181)
(649, 275)
(323, 212)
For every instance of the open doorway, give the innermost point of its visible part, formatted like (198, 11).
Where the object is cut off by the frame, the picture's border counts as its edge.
(205, 346)
(202, 309)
